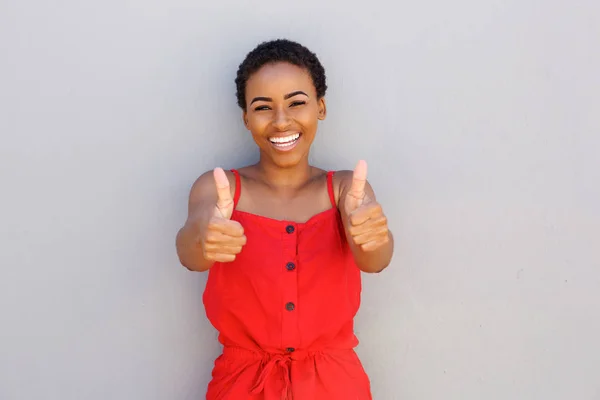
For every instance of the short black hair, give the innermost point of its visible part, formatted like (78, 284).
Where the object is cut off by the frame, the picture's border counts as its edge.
(279, 50)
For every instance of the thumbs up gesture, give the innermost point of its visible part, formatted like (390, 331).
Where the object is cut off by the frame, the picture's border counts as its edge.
(366, 224)
(224, 206)
(222, 239)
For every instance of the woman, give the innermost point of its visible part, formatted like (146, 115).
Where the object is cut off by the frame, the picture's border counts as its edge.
(284, 244)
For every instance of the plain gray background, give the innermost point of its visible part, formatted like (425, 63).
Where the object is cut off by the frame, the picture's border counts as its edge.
(480, 122)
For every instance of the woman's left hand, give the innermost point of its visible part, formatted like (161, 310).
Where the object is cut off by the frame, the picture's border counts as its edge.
(366, 223)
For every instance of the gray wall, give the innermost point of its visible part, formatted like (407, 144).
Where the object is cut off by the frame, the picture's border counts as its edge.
(480, 122)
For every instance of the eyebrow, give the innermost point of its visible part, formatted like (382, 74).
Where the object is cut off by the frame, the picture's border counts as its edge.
(287, 96)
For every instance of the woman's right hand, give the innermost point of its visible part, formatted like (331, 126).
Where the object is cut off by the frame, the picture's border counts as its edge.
(209, 235)
(222, 239)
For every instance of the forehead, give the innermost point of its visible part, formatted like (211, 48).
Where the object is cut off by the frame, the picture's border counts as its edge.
(277, 79)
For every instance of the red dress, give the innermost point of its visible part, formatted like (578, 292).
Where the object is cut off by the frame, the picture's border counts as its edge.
(284, 310)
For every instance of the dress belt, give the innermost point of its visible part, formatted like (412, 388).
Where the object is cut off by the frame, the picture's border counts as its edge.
(283, 361)
(274, 361)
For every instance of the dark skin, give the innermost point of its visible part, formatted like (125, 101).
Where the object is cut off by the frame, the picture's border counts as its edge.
(282, 103)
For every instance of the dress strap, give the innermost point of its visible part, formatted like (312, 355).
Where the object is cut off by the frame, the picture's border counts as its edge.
(238, 187)
(330, 188)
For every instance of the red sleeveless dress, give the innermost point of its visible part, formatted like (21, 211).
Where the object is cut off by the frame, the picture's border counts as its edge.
(284, 310)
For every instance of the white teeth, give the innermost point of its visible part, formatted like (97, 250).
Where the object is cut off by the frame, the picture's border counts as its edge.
(285, 139)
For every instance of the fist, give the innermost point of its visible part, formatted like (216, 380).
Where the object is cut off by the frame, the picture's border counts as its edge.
(222, 238)
(367, 225)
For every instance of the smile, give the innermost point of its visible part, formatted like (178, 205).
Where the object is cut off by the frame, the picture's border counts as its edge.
(285, 142)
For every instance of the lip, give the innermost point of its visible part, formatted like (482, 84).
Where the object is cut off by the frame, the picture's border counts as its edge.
(288, 147)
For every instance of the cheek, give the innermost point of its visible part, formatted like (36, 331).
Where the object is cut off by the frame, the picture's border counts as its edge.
(257, 124)
(308, 118)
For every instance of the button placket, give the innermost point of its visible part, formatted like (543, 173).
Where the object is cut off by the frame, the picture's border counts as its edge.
(289, 329)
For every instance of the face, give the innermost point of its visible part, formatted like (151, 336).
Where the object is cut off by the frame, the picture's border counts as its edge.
(282, 112)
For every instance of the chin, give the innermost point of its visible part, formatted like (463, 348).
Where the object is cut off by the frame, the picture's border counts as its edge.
(285, 160)
(288, 161)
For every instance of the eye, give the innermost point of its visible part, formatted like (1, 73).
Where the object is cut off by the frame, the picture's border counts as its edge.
(297, 103)
(261, 108)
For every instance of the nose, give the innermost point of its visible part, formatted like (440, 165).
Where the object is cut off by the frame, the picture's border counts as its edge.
(281, 120)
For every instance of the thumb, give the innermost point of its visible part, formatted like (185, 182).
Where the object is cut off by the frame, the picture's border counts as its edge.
(224, 200)
(359, 180)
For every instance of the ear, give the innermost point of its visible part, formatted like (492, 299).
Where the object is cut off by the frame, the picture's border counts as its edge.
(322, 109)
(245, 119)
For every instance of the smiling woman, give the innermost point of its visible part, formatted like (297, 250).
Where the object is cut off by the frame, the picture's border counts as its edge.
(284, 244)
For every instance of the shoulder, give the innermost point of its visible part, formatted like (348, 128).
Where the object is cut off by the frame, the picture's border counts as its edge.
(342, 182)
(205, 184)
(341, 179)
(248, 172)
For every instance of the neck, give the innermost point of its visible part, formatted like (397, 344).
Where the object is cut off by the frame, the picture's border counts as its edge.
(285, 178)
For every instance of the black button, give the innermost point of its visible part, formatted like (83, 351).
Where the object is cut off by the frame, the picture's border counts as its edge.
(290, 306)
(290, 229)
(290, 266)
(290, 349)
